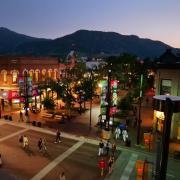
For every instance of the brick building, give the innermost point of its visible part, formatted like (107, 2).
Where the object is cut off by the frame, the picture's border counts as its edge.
(39, 69)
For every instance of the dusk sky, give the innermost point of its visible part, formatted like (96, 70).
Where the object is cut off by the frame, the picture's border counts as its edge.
(154, 19)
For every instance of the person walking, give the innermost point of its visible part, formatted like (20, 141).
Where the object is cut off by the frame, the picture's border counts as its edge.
(113, 149)
(44, 146)
(21, 140)
(125, 135)
(117, 132)
(101, 146)
(110, 164)
(107, 147)
(62, 176)
(40, 144)
(20, 116)
(58, 136)
(25, 142)
(102, 166)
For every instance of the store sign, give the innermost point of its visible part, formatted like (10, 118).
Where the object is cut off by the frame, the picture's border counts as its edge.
(13, 94)
(104, 102)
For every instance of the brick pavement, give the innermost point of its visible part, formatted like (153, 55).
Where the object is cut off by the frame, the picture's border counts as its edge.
(79, 125)
(39, 162)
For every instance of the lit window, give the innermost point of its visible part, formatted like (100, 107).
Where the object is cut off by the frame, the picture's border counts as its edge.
(50, 73)
(43, 74)
(4, 75)
(31, 73)
(14, 76)
(55, 74)
(36, 76)
(166, 85)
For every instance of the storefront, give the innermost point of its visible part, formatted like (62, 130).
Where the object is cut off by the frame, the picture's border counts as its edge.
(159, 116)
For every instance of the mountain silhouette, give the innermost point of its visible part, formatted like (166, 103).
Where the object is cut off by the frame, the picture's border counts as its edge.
(84, 42)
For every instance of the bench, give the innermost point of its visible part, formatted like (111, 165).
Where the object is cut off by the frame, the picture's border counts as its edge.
(58, 117)
(46, 116)
(176, 154)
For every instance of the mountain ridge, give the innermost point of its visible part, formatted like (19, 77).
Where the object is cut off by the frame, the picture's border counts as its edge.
(84, 42)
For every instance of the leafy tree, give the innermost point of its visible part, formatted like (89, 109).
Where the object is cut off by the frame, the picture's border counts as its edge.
(48, 103)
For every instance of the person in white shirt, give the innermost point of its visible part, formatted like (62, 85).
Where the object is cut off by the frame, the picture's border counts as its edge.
(125, 135)
(25, 142)
(117, 133)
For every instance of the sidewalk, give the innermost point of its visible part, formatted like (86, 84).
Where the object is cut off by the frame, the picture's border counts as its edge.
(80, 125)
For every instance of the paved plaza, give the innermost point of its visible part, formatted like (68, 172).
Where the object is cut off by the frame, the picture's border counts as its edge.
(75, 155)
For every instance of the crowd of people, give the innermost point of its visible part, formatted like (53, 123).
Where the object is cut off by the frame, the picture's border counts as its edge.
(107, 153)
(42, 143)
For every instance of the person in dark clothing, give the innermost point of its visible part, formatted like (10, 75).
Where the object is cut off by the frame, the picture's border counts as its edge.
(110, 164)
(107, 147)
(40, 144)
(58, 136)
(101, 146)
(113, 148)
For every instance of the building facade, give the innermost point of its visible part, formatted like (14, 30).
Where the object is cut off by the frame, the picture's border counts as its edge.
(167, 82)
(38, 69)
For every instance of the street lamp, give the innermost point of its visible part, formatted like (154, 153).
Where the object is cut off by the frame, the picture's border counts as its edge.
(91, 96)
(140, 102)
(168, 105)
(108, 99)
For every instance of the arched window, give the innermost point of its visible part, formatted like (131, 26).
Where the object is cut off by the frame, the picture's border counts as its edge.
(55, 74)
(43, 75)
(25, 72)
(4, 76)
(14, 76)
(50, 73)
(37, 75)
(31, 72)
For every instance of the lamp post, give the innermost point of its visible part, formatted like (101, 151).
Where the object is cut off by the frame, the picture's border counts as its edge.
(140, 103)
(91, 95)
(108, 100)
(168, 105)
(26, 93)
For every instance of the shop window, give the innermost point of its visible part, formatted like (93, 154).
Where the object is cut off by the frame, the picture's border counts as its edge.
(159, 121)
(166, 85)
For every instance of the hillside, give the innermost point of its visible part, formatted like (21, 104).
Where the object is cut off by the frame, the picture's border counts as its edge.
(84, 42)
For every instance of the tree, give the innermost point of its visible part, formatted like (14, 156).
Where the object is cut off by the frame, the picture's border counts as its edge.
(48, 103)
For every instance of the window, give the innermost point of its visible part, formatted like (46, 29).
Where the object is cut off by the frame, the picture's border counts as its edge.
(4, 76)
(36, 75)
(31, 73)
(49, 73)
(55, 74)
(43, 75)
(166, 85)
(14, 76)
